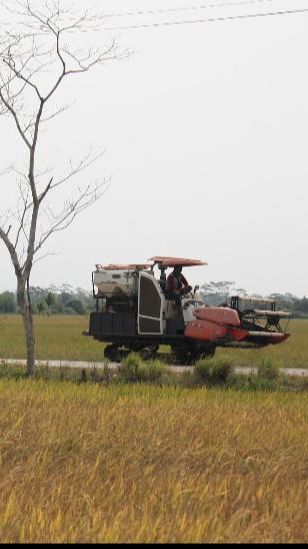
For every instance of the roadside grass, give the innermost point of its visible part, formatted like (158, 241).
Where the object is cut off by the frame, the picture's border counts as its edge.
(141, 463)
(60, 338)
(134, 369)
(211, 372)
(268, 368)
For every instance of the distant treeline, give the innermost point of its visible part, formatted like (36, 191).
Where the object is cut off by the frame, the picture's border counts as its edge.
(77, 301)
(52, 300)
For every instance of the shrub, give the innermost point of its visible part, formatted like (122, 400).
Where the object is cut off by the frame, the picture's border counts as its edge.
(152, 371)
(253, 382)
(268, 368)
(130, 367)
(134, 369)
(8, 371)
(213, 370)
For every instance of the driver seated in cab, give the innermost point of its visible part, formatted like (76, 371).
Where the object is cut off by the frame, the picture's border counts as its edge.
(176, 284)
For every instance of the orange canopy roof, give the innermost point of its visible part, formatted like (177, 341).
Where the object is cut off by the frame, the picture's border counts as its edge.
(168, 261)
(165, 261)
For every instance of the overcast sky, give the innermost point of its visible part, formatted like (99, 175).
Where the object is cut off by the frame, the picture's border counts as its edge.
(205, 134)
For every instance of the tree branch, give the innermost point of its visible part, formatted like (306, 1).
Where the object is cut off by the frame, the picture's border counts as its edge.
(71, 209)
(14, 114)
(10, 247)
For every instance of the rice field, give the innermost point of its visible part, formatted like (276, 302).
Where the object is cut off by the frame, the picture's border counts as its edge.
(60, 338)
(146, 464)
(119, 462)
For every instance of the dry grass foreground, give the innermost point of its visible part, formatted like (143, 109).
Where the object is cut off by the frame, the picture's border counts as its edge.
(60, 338)
(146, 464)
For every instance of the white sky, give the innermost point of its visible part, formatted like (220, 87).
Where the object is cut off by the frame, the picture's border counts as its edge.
(205, 129)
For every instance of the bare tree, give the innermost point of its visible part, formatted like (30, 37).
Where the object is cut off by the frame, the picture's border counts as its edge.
(39, 50)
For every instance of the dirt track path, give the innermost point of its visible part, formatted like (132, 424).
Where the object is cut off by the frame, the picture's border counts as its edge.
(115, 365)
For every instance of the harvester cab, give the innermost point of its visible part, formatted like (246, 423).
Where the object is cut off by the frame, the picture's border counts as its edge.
(135, 313)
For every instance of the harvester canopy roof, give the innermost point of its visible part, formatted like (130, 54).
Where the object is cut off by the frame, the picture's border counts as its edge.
(167, 261)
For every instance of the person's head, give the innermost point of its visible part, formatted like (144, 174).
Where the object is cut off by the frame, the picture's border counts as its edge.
(177, 269)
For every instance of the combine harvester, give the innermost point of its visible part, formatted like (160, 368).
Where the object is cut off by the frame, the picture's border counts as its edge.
(134, 313)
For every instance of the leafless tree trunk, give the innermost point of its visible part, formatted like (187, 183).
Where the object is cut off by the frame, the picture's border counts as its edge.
(38, 35)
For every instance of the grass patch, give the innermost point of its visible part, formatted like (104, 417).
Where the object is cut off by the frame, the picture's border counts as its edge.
(268, 368)
(256, 383)
(213, 370)
(134, 369)
(210, 372)
(54, 374)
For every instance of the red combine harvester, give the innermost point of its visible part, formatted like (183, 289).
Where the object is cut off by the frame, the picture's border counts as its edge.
(134, 312)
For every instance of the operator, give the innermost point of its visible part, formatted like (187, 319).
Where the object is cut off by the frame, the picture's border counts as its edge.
(176, 284)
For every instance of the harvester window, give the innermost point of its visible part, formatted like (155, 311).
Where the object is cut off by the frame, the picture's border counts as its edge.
(150, 301)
